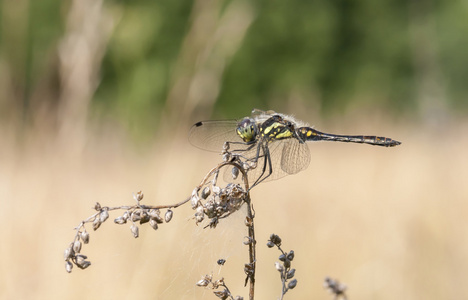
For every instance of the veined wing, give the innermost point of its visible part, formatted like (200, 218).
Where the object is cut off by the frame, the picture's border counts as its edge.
(211, 135)
(295, 156)
(288, 157)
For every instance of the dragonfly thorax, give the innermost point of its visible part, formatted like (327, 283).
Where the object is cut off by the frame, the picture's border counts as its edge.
(247, 130)
(277, 128)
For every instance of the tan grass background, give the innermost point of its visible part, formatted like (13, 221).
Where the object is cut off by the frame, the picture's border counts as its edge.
(389, 223)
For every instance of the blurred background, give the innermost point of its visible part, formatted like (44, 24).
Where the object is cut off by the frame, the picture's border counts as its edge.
(97, 97)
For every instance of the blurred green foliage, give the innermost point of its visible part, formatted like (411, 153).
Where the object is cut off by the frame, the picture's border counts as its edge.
(326, 55)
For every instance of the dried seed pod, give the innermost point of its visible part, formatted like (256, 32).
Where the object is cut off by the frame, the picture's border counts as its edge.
(282, 257)
(97, 206)
(247, 241)
(77, 246)
(287, 263)
(291, 255)
(153, 224)
(83, 264)
(194, 200)
(204, 281)
(135, 230)
(155, 215)
(144, 217)
(138, 196)
(199, 218)
(158, 219)
(104, 215)
(168, 215)
(120, 220)
(68, 266)
(200, 210)
(218, 282)
(275, 239)
(270, 244)
(80, 258)
(279, 267)
(96, 223)
(135, 216)
(205, 193)
(249, 269)
(292, 284)
(69, 253)
(84, 236)
(291, 273)
(216, 189)
(234, 172)
(223, 294)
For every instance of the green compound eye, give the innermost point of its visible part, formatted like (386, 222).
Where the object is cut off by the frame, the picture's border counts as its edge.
(247, 129)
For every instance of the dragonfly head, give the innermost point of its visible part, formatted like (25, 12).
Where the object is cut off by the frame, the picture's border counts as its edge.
(247, 129)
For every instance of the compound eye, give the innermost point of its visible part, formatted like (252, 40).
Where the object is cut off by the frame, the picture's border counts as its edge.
(247, 130)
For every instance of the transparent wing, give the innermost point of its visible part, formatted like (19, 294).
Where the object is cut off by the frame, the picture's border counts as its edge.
(211, 135)
(288, 157)
(295, 156)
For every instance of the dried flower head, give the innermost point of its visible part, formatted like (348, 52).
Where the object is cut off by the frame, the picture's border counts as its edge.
(275, 239)
(217, 203)
(103, 215)
(205, 281)
(168, 215)
(292, 284)
(135, 230)
(84, 236)
(77, 246)
(96, 223)
(138, 196)
(335, 287)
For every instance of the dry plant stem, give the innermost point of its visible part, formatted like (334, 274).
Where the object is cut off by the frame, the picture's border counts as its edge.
(251, 230)
(288, 282)
(252, 248)
(283, 280)
(250, 270)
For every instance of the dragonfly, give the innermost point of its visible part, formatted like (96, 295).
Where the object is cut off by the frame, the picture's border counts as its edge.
(272, 144)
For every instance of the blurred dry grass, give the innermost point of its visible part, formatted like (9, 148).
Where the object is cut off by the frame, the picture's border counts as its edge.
(390, 223)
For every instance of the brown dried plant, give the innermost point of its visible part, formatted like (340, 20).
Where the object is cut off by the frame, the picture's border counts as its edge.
(284, 268)
(211, 202)
(335, 288)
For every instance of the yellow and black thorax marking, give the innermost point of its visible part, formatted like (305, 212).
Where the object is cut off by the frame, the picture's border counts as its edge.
(276, 128)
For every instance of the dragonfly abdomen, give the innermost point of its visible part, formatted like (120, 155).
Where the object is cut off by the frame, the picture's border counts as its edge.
(310, 134)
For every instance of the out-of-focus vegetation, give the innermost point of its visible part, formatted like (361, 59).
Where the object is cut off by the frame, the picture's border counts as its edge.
(84, 81)
(141, 63)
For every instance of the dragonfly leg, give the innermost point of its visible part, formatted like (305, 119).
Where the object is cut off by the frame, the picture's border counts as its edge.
(266, 160)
